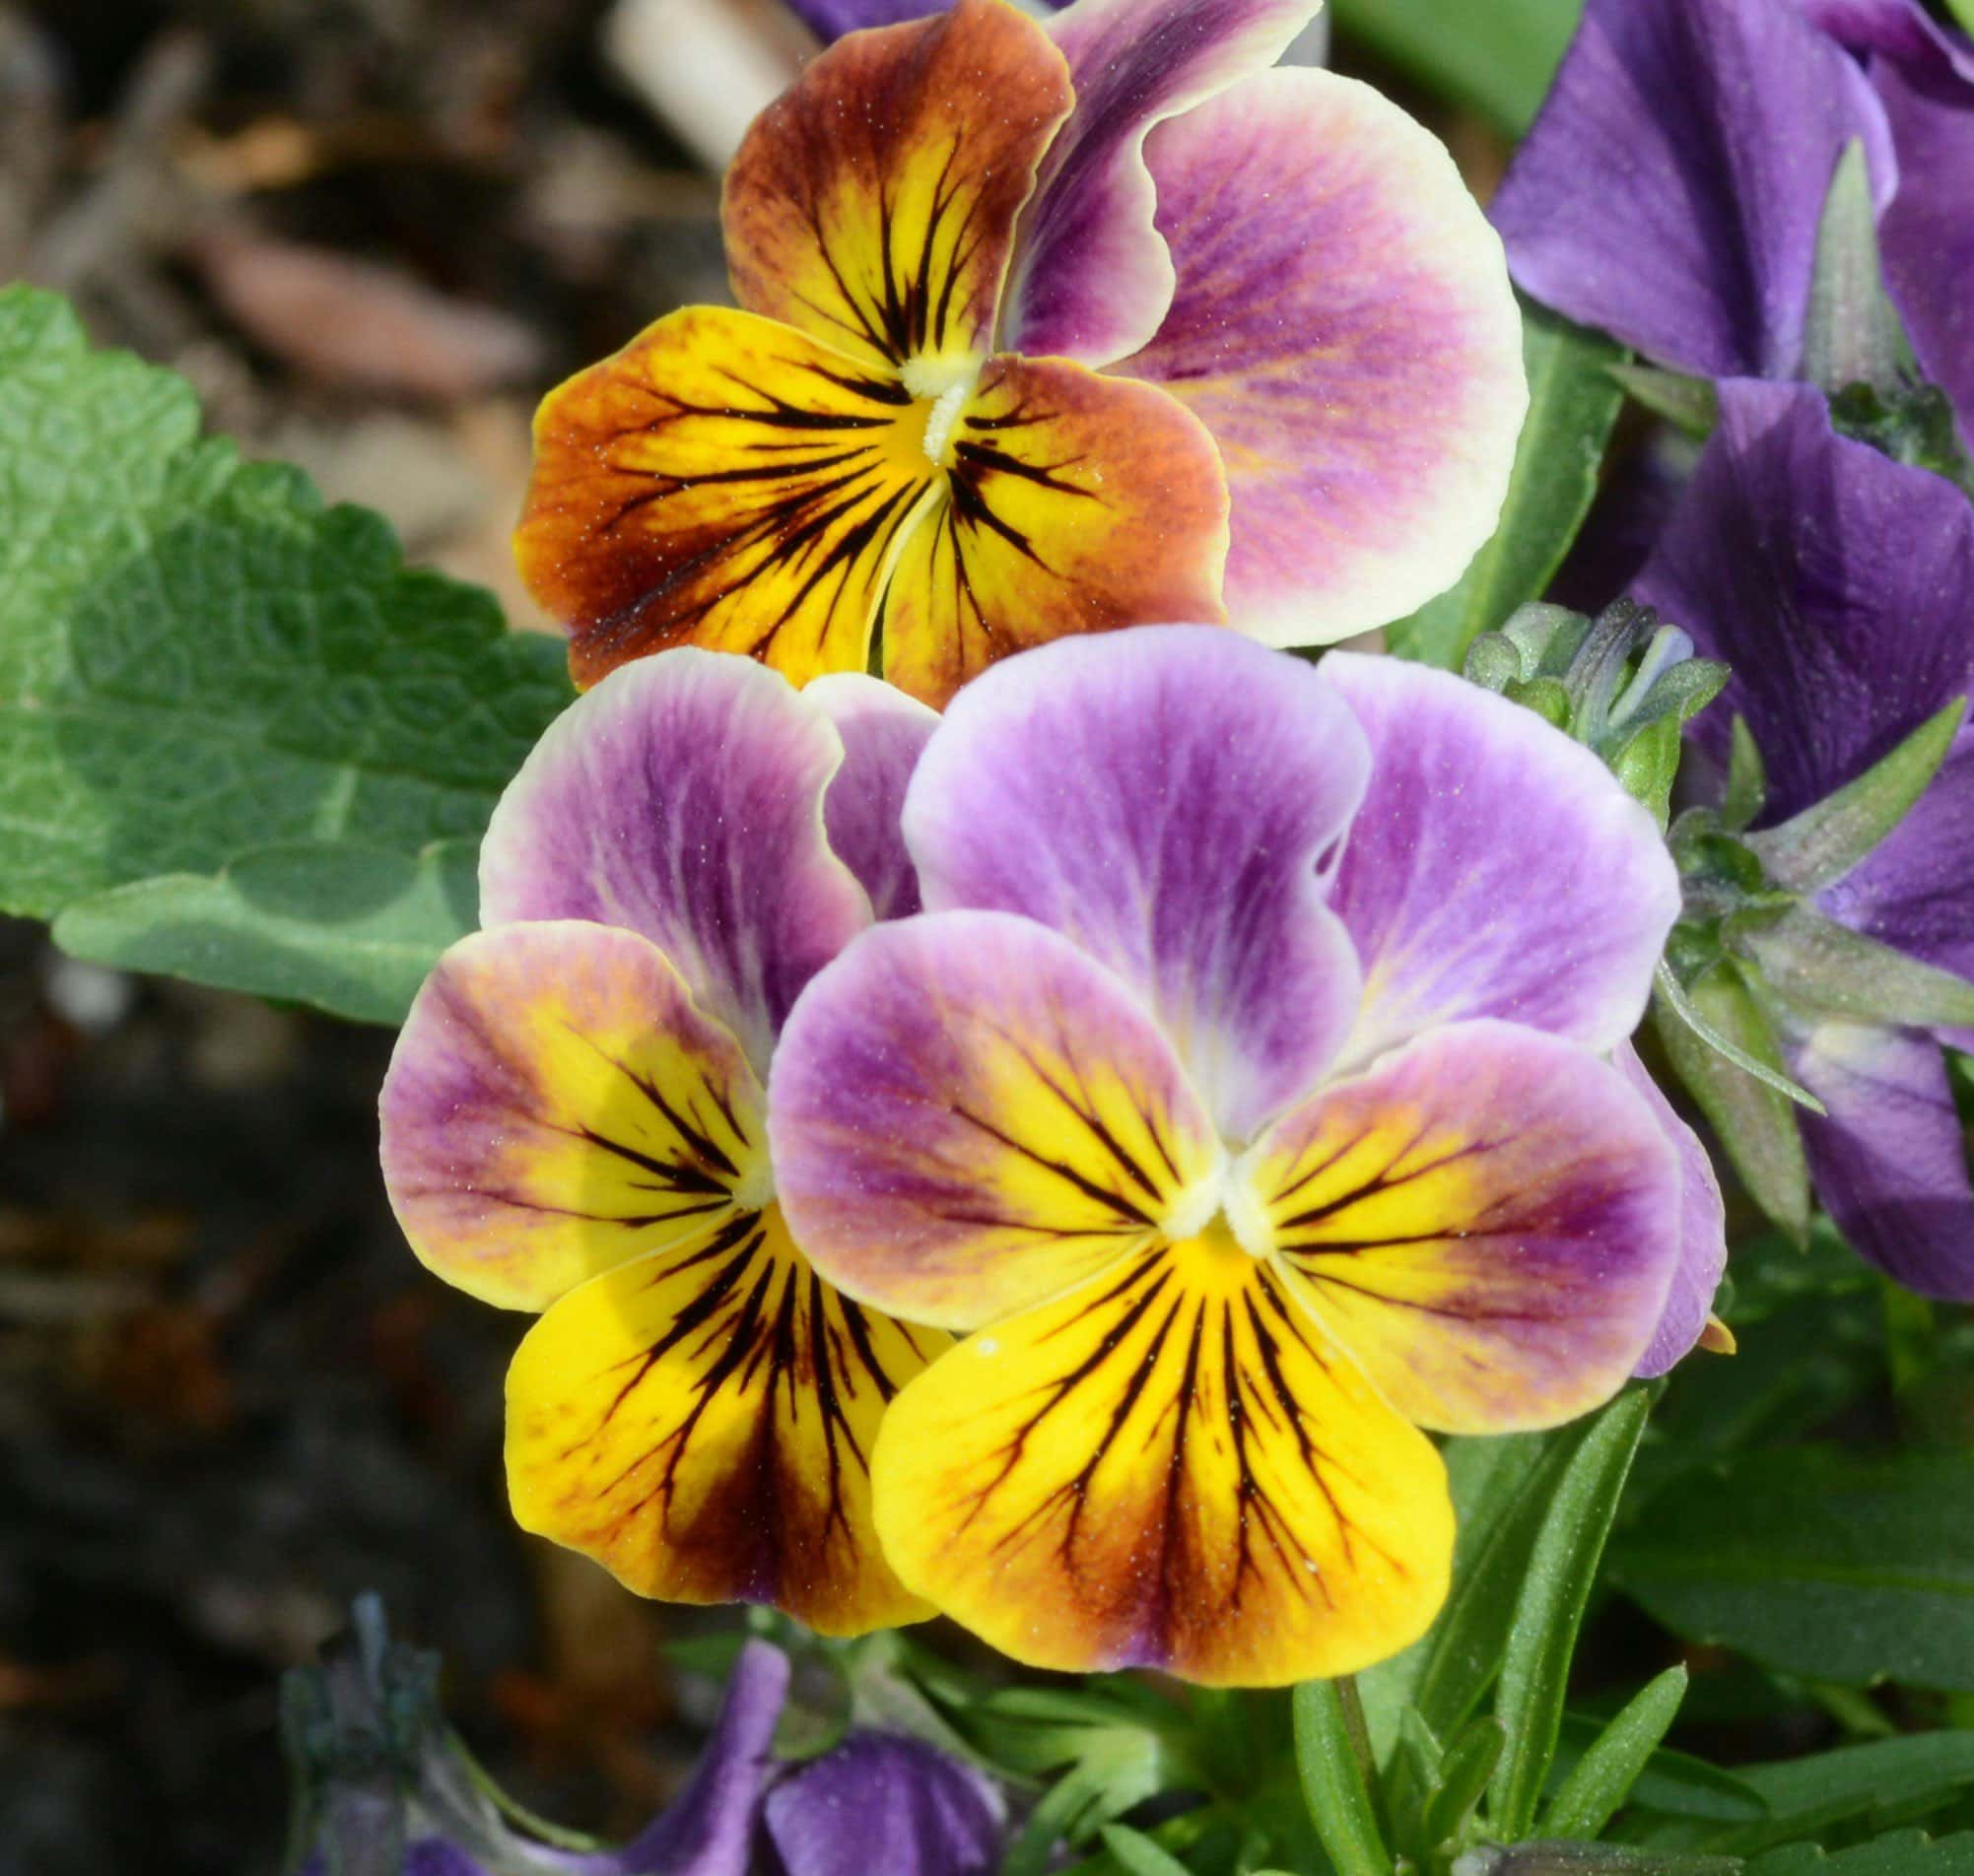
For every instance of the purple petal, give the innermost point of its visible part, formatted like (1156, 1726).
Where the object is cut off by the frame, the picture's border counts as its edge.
(1345, 328)
(1914, 891)
(1164, 797)
(1485, 1223)
(1903, 30)
(1091, 278)
(1703, 1227)
(1672, 188)
(1833, 580)
(683, 798)
(1927, 235)
(434, 1858)
(1496, 867)
(709, 1829)
(968, 1115)
(830, 19)
(883, 733)
(882, 1805)
(1891, 1159)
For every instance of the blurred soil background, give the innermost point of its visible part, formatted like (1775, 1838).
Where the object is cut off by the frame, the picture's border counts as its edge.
(370, 233)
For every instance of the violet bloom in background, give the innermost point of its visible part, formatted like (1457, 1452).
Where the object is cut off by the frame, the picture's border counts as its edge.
(384, 1788)
(1839, 585)
(1672, 190)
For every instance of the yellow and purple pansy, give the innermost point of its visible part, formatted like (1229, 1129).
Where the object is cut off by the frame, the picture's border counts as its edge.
(1243, 1098)
(1046, 328)
(574, 1123)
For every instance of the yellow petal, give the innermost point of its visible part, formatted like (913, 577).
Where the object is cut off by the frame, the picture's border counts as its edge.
(873, 204)
(1172, 1467)
(558, 1104)
(1074, 502)
(726, 482)
(701, 1423)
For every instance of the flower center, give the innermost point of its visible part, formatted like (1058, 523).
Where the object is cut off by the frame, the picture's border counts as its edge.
(941, 387)
(1225, 1198)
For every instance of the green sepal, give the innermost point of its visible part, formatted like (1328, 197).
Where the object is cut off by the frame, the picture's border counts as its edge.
(1817, 968)
(1819, 847)
(1850, 332)
(1753, 1118)
(1748, 780)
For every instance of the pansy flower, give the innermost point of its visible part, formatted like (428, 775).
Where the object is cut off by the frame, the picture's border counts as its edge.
(1836, 583)
(1241, 1097)
(1673, 187)
(574, 1123)
(1045, 328)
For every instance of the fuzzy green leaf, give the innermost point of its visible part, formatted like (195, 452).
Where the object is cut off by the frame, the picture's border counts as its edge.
(1332, 1782)
(198, 659)
(1601, 1781)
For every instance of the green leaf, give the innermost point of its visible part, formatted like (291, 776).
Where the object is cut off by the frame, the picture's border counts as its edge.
(1573, 401)
(1542, 1639)
(1902, 1854)
(349, 928)
(199, 660)
(1823, 843)
(1963, 11)
(1815, 1562)
(1463, 1776)
(1332, 1782)
(1137, 1854)
(1497, 59)
(1602, 1779)
(1884, 1783)
(1747, 780)
(1691, 404)
(1672, 1783)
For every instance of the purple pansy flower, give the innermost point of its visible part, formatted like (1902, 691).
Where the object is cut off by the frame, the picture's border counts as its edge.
(1242, 1091)
(1672, 190)
(1839, 586)
(878, 1804)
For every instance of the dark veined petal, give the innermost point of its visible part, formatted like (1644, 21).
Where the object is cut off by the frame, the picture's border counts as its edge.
(1487, 1223)
(969, 1114)
(1165, 798)
(724, 481)
(557, 1105)
(1171, 1467)
(1071, 503)
(701, 1423)
(685, 799)
(873, 204)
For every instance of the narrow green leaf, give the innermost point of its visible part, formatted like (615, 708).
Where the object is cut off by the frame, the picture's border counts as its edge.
(1602, 1779)
(1851, 333)
(1138, 1856)
(1754, 1118)
(1882, 1785)
(1839, 1569)
(1823, 969)
(1672, 1783)
(1823, 843)
(198, 659)
(1464, 1772)
(1748, 780)
(1573, 401)
(349, 928)
(1332, 1782)
(1497, 60)
(1535, 1668)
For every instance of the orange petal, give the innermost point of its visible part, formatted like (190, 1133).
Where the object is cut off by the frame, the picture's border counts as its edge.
(724, 481)
(873, 204)
(1075, 503)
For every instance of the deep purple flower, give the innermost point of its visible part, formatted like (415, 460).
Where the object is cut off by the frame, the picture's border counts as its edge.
(1672, 190)
(386, 1789)
(1839, 585)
